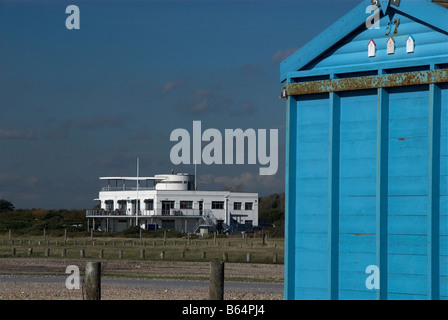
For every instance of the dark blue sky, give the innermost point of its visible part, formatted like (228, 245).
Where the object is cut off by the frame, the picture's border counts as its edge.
(79, 104)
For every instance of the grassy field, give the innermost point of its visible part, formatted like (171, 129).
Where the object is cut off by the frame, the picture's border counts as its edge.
(231, 249)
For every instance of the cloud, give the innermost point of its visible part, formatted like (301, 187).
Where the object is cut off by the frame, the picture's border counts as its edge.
(203, 101)
(97, 121)
(169, 86)
(281, 55)
(17, 134)
(86, 123)
(252, 68)
(245, 181)
(141, 135)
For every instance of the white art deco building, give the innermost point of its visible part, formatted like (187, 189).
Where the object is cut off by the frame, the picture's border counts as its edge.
(169, 201)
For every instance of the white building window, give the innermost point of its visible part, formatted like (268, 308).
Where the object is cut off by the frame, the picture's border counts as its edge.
(237, 206)
(149, 204)
(217, 205)
(248, 206)
(186, 205)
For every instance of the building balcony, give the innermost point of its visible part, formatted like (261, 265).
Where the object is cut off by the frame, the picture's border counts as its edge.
(126, 188)
(146, 213)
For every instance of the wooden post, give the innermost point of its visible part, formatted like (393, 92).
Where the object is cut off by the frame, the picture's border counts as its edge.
(120, 254)
(44, 235)
(216, 291)
(248, 257)
(82, 253)
(65, 237)
(63, 253)
(101, 254)
(275, 258)
(93, 280)
(162, 255)
(142, 254)
(9, 235)
(30, 251)
(47, 252)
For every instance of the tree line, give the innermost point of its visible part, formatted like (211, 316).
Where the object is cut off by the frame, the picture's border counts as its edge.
(271, 214)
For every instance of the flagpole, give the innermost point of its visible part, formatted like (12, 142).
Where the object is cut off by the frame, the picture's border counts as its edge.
(136, 201)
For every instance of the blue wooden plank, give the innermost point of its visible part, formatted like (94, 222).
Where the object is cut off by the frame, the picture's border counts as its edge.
(382, 173)
(409, 284)
(406, 244)
(433, 190)
(356, 295)
(357, 242)
(408, 225)
(408, 186)
(358, 224)
(408, 264)
(290, 197)
(311, 241)
(333, 196)
(407, 205)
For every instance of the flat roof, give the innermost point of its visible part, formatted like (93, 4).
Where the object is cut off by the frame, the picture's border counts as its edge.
(130, 178)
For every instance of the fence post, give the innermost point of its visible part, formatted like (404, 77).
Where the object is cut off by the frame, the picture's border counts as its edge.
(216, 291)
(93, 280)
(47, 252)
(142, 254)
(225, 256)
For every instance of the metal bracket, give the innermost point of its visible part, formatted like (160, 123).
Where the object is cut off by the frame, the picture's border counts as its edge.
(283, 94)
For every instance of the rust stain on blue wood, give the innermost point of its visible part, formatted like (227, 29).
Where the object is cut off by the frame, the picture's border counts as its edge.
(368, 82)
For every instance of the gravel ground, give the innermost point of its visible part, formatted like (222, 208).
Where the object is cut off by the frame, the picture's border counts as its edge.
(44, 279)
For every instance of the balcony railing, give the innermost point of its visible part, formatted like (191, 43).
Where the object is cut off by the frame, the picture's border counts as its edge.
(146, 213)
(126, 188)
